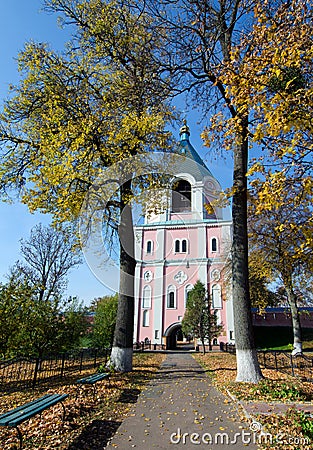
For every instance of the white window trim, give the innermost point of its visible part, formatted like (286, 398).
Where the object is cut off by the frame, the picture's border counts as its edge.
(181, 246)
(217, 245)
(171, 288)
(220, 297)
(146, 250)
(188, 288)
(146, 288)
(191, 181)
(146, 318)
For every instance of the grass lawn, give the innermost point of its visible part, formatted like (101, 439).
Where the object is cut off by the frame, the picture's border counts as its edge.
(280, 338)
(90, 420)
(276, 386)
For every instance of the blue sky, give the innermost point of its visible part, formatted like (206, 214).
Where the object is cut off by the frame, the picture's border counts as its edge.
(22, 21)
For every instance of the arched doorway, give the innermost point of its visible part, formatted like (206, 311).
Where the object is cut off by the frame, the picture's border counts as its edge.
(172, 334)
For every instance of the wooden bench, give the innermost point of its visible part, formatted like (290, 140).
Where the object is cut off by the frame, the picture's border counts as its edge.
(92, 380)
(18, 415)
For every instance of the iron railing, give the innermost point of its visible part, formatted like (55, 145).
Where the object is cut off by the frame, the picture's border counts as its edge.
(26, 372)
(299, 365)
(142, 346)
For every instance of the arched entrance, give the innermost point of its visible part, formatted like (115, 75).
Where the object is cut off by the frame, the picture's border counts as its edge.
(172, 334)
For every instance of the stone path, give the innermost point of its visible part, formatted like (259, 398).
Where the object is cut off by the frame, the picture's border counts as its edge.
(180, 408)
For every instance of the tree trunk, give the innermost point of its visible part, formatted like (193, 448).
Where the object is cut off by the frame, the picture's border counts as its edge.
(121, 358)
(248, 368)
(296, 325)
(203, 346)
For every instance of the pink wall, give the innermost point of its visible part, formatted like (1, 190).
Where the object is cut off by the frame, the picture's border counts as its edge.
(214, 232)
(171, 234)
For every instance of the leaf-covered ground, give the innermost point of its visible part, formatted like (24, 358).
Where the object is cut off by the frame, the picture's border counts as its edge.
(90, 419)
(293, 429)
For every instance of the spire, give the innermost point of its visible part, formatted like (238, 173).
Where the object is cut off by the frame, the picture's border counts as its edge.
(184, 132)
(194, 164)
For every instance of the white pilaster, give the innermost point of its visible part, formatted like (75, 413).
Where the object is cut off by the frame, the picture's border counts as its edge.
(197, 201)
(137, 289)
(158, 289)
(202, 242)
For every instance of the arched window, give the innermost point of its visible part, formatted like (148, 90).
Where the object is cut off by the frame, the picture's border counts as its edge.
(171, 297)
(214, 244)
(146, 297)
(181, 246)
(187, 290)
(181, 196)
(145, 318)
(216, 297)
(171, 300)
(149, 246)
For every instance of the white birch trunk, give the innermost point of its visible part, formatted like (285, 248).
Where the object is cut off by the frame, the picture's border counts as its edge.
(121, 359)
(247, 366)
(297, 348)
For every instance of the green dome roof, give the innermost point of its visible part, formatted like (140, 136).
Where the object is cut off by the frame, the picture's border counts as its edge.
(194, 165)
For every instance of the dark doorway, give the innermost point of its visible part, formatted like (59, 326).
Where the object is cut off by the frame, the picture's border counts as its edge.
(175, 338)
(181, 196)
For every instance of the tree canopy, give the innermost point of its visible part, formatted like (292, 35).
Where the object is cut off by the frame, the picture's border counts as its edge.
(282, 237)
(48, 255)
(76, 113)
(83, 110)
(35, 316)
(105, 310)
(246, 64)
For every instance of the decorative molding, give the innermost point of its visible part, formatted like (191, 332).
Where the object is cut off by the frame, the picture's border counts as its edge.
(148, 276)
(180, 277)
(215, 275)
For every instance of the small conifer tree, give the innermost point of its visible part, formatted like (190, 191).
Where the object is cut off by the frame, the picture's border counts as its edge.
(200, 320)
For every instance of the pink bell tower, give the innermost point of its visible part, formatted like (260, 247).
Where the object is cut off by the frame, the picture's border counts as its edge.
(179, 246)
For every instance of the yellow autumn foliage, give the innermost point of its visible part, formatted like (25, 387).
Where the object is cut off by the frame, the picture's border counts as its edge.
(76, 113)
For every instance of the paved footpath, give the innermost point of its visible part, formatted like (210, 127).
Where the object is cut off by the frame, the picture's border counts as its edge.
(181, 409)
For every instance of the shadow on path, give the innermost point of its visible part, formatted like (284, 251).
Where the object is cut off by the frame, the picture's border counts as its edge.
(95, 436)
(181, 407)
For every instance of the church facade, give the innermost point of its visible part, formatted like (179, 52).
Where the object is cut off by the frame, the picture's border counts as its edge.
(186, 242)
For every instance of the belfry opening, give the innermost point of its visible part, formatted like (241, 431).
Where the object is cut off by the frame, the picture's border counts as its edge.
(181, 196)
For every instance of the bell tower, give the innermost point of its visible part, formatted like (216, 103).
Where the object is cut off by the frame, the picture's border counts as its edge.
(190, 241)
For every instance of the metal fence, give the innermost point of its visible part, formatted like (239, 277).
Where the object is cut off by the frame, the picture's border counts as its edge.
(229, 348)
(300, 365)
(142, 346)
(24, 372)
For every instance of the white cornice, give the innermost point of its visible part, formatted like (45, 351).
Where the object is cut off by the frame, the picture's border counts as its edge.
(182, 262)
(190, 224)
